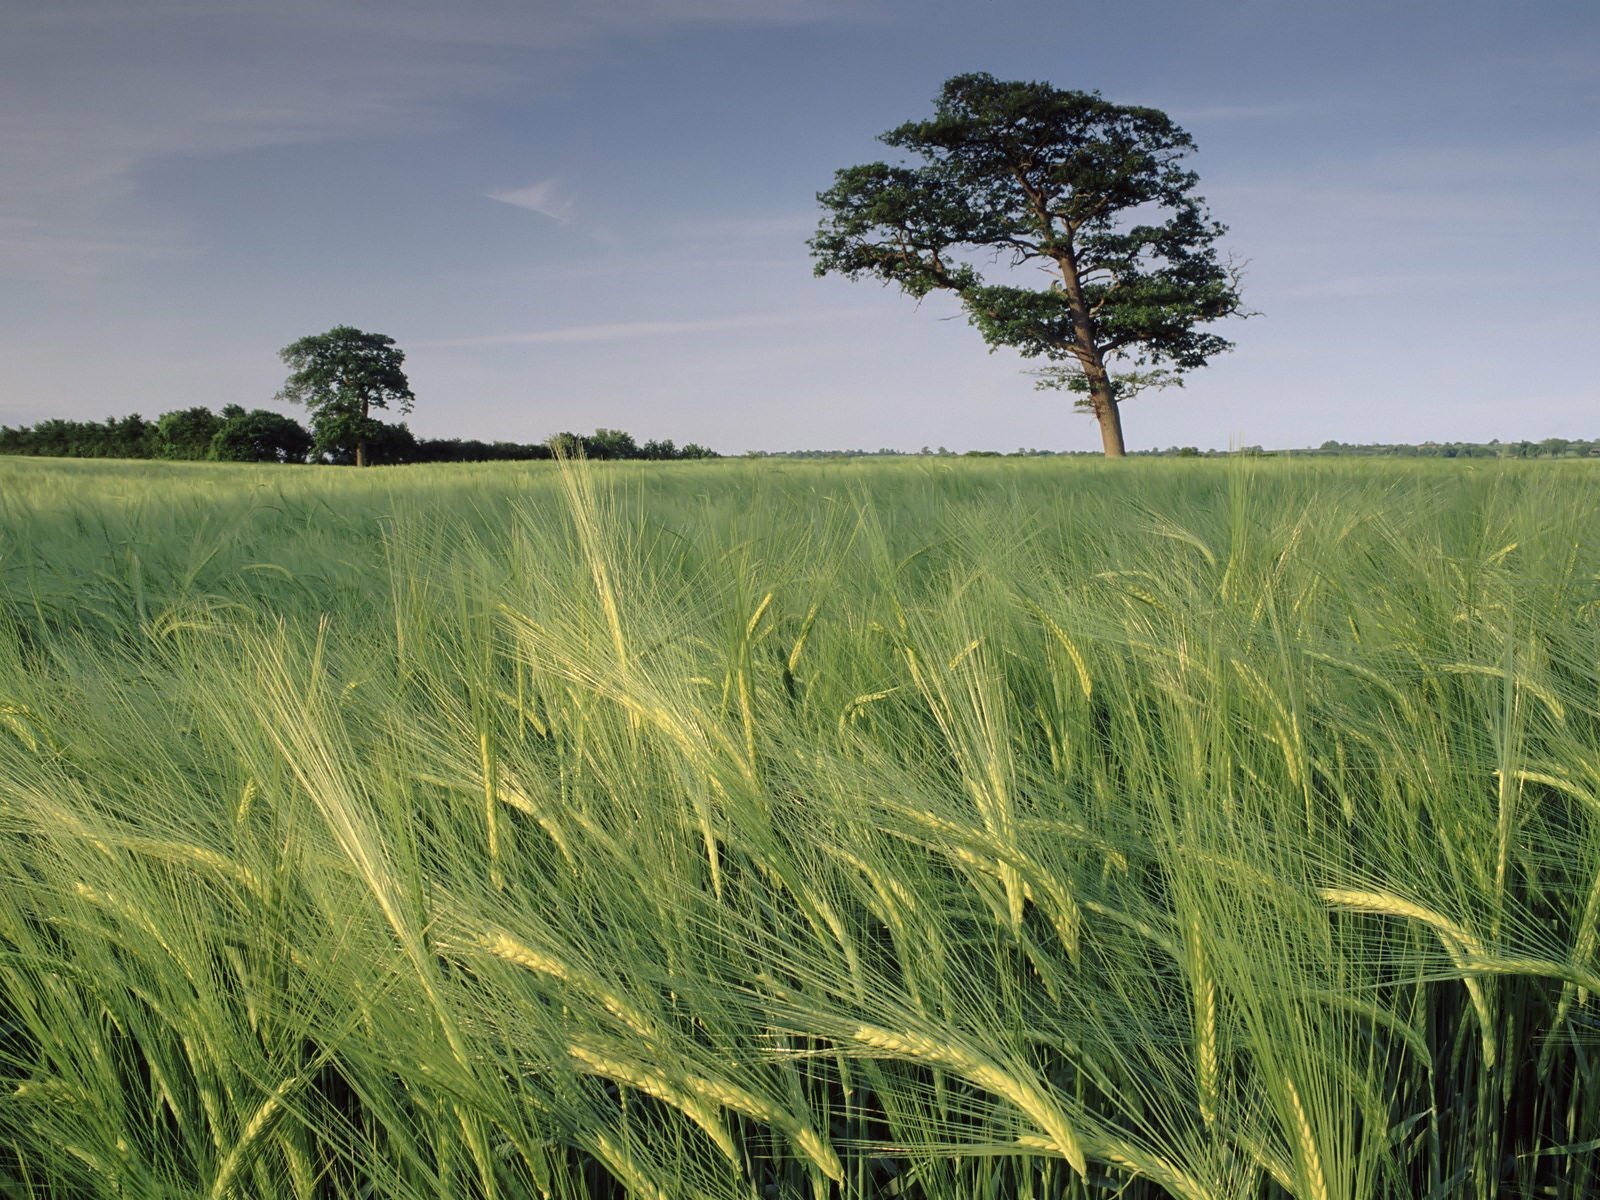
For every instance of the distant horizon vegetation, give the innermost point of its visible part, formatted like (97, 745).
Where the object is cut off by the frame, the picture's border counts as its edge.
(235, 434)
(197, 434)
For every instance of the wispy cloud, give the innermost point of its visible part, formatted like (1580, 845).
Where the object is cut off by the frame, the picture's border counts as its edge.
(484, 22)
(624, 331)
(790, 228)
(1429, 193)
(544, 196)
(1272, 111)
(1399, 284)
(84, 114)
(95, 92)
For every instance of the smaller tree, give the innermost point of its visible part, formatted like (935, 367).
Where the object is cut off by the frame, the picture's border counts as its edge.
(659, 451)
(186, 433)
(611, 443)
(341, 376)
(566, 444)
(259, 436)
(128, 437)
(391, 444)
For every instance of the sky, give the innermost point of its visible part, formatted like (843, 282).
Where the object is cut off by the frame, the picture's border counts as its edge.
(583, 213)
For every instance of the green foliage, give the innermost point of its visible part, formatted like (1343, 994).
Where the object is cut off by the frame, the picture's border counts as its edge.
(938, 828)
(1033, 176)
(461, 450)
(382, 444)
(341, 376)
(611, 443)
(615, 444)
(115, 437)
(186, 433)
(259, 436)
(1548, 448)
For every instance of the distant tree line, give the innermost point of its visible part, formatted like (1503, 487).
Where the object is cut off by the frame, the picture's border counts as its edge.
(260, 435)
(1555, 447)
(1548, 448)
(233, 435)
(396, 445)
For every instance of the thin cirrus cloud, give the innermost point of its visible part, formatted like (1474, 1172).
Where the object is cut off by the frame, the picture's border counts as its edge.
(97, 95)
(624, 331)
(545, 197)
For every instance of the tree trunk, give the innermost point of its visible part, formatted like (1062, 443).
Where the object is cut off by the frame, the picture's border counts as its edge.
(361, 437)
(1102, 397)
(1109, 416)
(1111, 431)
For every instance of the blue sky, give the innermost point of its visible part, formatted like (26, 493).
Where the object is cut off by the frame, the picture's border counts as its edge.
(582, 213)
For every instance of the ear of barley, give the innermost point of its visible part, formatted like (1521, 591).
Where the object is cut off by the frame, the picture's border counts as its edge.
(1534, 968)
(755, 617)
(301, 1177)
(1024, 1094)
(810, 1143)
(621, 1163)
(736, 1099)
(181, 852)
(1137, 1162)
(1204, 985)
(805, 632)
(491, 809)
(1154, 1167)
(49, 1091)
(1065, 913)
(508, 949)
(1073, 655)
(505, 947)
(1457, 942)
(1306, 1143)
(515, 795)
(265, 1113)
(887, 886)
(596, 1060)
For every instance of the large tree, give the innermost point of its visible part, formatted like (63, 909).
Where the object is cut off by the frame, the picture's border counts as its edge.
(341, 376)
(1026, 175)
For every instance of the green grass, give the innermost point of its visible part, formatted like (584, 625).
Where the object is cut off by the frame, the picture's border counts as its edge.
(922, 829)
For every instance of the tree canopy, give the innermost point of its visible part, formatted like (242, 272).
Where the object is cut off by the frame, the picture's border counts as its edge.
(1027, 175)
(259, 436)
(187, 433)
(341, 376)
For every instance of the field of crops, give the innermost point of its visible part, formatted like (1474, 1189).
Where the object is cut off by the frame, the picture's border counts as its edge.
(929, 829)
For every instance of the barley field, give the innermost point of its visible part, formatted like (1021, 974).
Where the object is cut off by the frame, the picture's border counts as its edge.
(927, 829)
